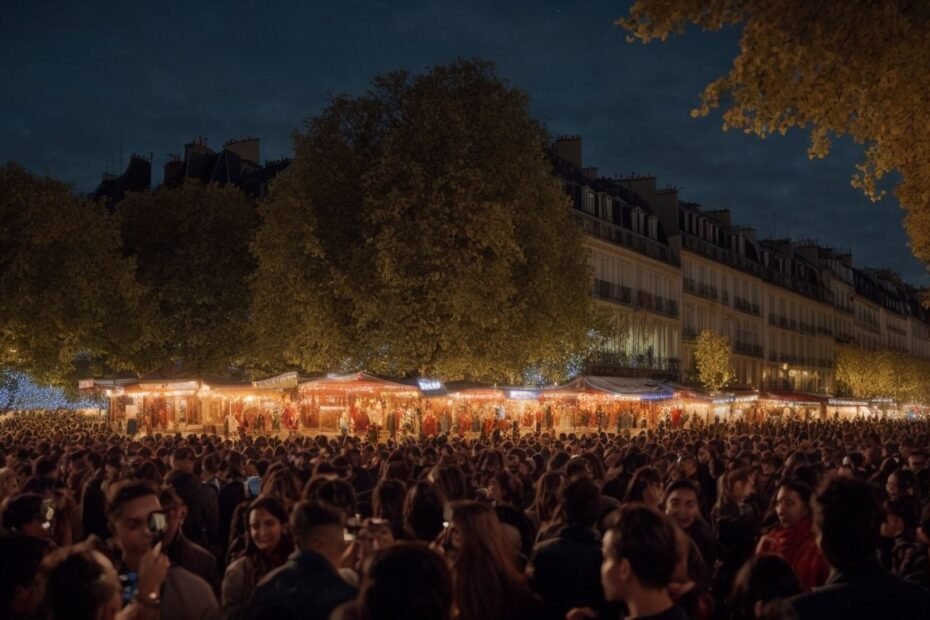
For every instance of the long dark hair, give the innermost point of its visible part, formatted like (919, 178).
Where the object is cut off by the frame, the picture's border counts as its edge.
(641, 479)
(263, 563)
(486, 581)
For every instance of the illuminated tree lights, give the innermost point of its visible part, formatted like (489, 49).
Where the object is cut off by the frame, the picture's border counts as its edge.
(19, 392)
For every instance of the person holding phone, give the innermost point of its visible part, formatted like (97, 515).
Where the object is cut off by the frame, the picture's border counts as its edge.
(138, 524)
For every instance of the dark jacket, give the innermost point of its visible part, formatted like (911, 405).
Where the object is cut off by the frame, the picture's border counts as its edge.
(191, 556)
(706, 542)
(94, 509)
(306, 587)
(231, 495)
(867, 592)
(567, 571)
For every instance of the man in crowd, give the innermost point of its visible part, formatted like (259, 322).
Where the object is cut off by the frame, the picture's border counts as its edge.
(640, 555)
(181, 551)
(565, 570)
(847, 520)
(130, 506)
(308, 586)
(682, 504)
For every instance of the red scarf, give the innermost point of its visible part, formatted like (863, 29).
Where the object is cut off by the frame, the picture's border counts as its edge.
(796, 544)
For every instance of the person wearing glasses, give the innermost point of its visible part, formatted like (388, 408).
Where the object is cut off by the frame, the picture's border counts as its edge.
(138, 523)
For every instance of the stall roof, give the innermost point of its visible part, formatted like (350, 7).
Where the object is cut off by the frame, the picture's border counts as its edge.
(357, 381)
(799, 397)
(633, 389)
(488, 390)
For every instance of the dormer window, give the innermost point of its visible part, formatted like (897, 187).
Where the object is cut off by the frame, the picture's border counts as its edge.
(653, 228)
(589, 203)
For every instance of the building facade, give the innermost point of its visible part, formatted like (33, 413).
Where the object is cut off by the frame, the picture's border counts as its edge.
(668, 269)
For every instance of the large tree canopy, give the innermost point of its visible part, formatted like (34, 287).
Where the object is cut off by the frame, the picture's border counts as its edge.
(420, 230)
(67, 296)
(191, 248)
(856, 68)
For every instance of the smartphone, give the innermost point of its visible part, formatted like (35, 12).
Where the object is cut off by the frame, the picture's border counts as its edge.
(158, 525)
(48, 509)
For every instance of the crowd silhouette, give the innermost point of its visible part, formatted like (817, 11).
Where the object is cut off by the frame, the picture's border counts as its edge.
(786, 519)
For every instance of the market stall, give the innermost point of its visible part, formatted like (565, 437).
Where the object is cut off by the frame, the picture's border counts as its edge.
(606, 403)
(793, 405)
(358, 402)
(847, 408)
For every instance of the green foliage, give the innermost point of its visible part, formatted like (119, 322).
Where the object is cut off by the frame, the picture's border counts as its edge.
(419, 230)
(65, 287)
(191, 248)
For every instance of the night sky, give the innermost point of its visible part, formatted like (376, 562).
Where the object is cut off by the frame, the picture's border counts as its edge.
(77, 78)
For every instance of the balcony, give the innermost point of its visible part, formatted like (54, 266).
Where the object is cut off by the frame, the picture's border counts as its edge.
(799, 360)
(623, 237)
(824, 331)
(807, 329)
(896, 329)
(699, 289)
(721, 255)
(869, 326)
(689, 334)
(625, 365)
(744, 348)
(743, 305)
(844, 338)
(638, 299)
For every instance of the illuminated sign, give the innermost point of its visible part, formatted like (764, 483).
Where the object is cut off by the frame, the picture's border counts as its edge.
(521, 395)
(429, 385)
(839, 402)
(85, 384)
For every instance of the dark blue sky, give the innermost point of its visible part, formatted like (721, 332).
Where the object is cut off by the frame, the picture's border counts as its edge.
(76, 78)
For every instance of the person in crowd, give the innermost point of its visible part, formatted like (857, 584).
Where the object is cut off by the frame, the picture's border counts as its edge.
(763, 579)
(268, 546)
(308, 585)
(9, 484)
(28, 514)
(565, 570)
(645, 487)
(793, 538)
(231, 495)
(640, 556)
(544, 512)
(81, 584)
(407, 580)
(387, 502)
(848, 520)
(178, 548)
(20, 590)
(423, 512)
(131, 505)
(900, 551)
(201, 524)
(736, 524)
(485, 580)
(682, 504)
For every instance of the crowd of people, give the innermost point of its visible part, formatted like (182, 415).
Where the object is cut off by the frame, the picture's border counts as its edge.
(823, 519)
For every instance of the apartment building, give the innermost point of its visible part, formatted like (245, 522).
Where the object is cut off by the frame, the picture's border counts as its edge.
(636, 273)
(669, 269)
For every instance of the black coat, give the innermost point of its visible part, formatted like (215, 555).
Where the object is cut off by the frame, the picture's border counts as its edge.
(306, 587)
(868, 592)
(567, 571)
(231, 495)
(194, 558)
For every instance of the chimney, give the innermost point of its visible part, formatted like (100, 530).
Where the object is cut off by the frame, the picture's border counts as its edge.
(569, 149)
(245, 148)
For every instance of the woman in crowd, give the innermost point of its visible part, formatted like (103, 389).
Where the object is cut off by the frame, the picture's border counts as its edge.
(268, 545)
(645, 488)
(762, 580)
(736, 523)
(485, 581)
(793, 538)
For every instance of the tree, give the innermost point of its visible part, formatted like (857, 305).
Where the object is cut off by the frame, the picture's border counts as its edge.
(713, 358)
(70, 301)
(883, 373)
(420, 231)
(191, 248)
(853, 68)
